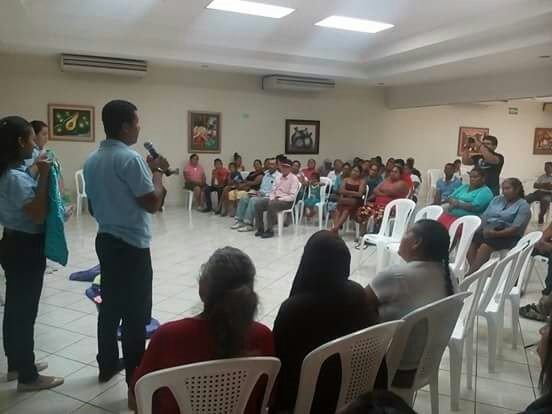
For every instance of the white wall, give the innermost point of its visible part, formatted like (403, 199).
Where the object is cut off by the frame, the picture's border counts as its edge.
(354, 120)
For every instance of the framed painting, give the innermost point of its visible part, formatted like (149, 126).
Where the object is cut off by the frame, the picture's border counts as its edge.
(302, 136)
(71, 122)
(543, 141)
(204, 132)
(467, 135)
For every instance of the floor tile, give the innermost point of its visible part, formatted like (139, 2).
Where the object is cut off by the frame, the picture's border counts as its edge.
(46, 402)
(503, 394)
(114, 399)
(83, 384)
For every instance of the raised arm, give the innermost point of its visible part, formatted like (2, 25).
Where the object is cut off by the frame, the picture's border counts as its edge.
(37, 208)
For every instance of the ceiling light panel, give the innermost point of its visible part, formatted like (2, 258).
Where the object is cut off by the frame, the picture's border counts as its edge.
(251, 8)
(353, 24)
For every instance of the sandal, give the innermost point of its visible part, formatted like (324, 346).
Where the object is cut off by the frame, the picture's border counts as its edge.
(531, 312)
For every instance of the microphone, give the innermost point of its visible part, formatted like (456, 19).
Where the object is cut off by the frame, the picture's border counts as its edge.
(154, 154)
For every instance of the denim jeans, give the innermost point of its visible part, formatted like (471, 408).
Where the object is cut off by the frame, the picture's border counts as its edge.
(246, 209)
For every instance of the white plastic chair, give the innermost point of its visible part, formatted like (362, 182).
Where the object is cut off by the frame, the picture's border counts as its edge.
(189, 198)
(462, 336)
(440, 318)
(491, 305)
(245, 174)
(222, 386)
(522, 269)
(427, 213)
(80, 185)
(325, 192)
(469, 224)
(389, 233)
(281, 214)
(433, 176)
(360, 353)
(532, 261)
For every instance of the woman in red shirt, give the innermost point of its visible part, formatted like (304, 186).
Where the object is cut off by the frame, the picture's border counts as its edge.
(225, 328)
(311, 168)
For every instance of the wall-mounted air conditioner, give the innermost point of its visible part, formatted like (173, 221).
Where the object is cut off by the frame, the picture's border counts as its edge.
(296, 83)
(99, 64)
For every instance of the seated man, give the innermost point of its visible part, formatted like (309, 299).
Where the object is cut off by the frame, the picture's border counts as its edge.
(194, 175)
(281, 198)
(219, 180)
(246, 206)
(446, 186)
(543, 195)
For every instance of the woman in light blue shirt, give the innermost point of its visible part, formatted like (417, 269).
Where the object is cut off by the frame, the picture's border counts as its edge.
(502, 224)
(23, 209)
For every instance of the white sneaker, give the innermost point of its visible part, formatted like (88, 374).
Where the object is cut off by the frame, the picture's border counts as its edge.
(246, 228)
(43, 382)
(237, 225)
(12, 375)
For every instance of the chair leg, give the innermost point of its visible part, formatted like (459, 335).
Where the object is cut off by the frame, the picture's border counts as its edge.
(79, 205)
(529, 273)
(320, 216)
(381, 257)
(500, 332)
(492, 342)
(468, 346)
(280, 224)
(455, 355)
(434, 393)
(515, 320)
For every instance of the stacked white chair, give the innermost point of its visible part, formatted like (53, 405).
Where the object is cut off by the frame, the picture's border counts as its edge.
(322, 206)
(361, 354)
(522, 270)
(440, 318)
(80, 185)
(433, 176)
(198, 388)
(291, 211)
(491, 305)
(389, 232)
(534, 259)
(462, 336)
(470, 224)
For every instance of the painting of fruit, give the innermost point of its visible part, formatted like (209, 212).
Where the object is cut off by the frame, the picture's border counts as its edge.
(71, 122)
(302, 137)
(204, 132)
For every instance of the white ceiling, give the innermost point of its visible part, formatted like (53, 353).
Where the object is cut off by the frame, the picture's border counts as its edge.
(431, 40)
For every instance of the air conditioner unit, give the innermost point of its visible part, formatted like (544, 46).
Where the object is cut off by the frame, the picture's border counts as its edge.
(99, 64)
(296, 83)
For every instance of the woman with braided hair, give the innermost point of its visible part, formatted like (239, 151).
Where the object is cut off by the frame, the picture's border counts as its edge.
(423, 279)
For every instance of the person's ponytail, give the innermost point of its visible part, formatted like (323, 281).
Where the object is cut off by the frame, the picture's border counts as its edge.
(11, 129)
(230, 319)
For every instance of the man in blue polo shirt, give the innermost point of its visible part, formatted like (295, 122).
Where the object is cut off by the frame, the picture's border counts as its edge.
(123, 191)
(446, 186)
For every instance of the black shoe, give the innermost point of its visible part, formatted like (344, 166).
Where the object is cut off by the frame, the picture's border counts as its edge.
(206, 210)
(106, 374)
(259, 233)
(267, 234)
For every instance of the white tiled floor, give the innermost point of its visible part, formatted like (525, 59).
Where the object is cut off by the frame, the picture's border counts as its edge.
(66, 327)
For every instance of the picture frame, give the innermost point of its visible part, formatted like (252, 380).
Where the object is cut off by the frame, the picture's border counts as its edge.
(467, 133)
(302, 136)
(67, 122)
(542, 143)
(204, 132)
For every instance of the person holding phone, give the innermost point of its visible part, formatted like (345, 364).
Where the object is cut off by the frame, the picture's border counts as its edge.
(23, 210)
(482, 153)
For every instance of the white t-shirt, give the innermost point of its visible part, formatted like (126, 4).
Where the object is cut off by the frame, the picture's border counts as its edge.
(404, 288)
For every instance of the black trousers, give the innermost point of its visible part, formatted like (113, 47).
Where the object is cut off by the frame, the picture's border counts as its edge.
(210, 189)
(126, 295)
(23, 259)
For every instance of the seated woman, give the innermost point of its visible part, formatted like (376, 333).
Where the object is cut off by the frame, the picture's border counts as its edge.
(225, 329)
(392, 188)
(468, 199)
(543, 405)
(401, 289)
(323, 305)
(313, 195)
(502, 224)
(239, 162)
(238, 189)
(373, 179)
(194, 177)
(350, 198)
(311, 168)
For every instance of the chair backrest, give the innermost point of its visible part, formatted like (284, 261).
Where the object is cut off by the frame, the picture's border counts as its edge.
(403, 211)
(245, 174)
(440, 318)
(222, 386)
(433, 176)
(495, 291)
(429, 213)
(469, 224)
(80, 185)
(297, 193)
(327, 188)
(474, 283)
(522, 267)
(360, 353)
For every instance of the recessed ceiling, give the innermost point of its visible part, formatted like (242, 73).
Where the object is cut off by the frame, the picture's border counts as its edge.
(430, 40)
